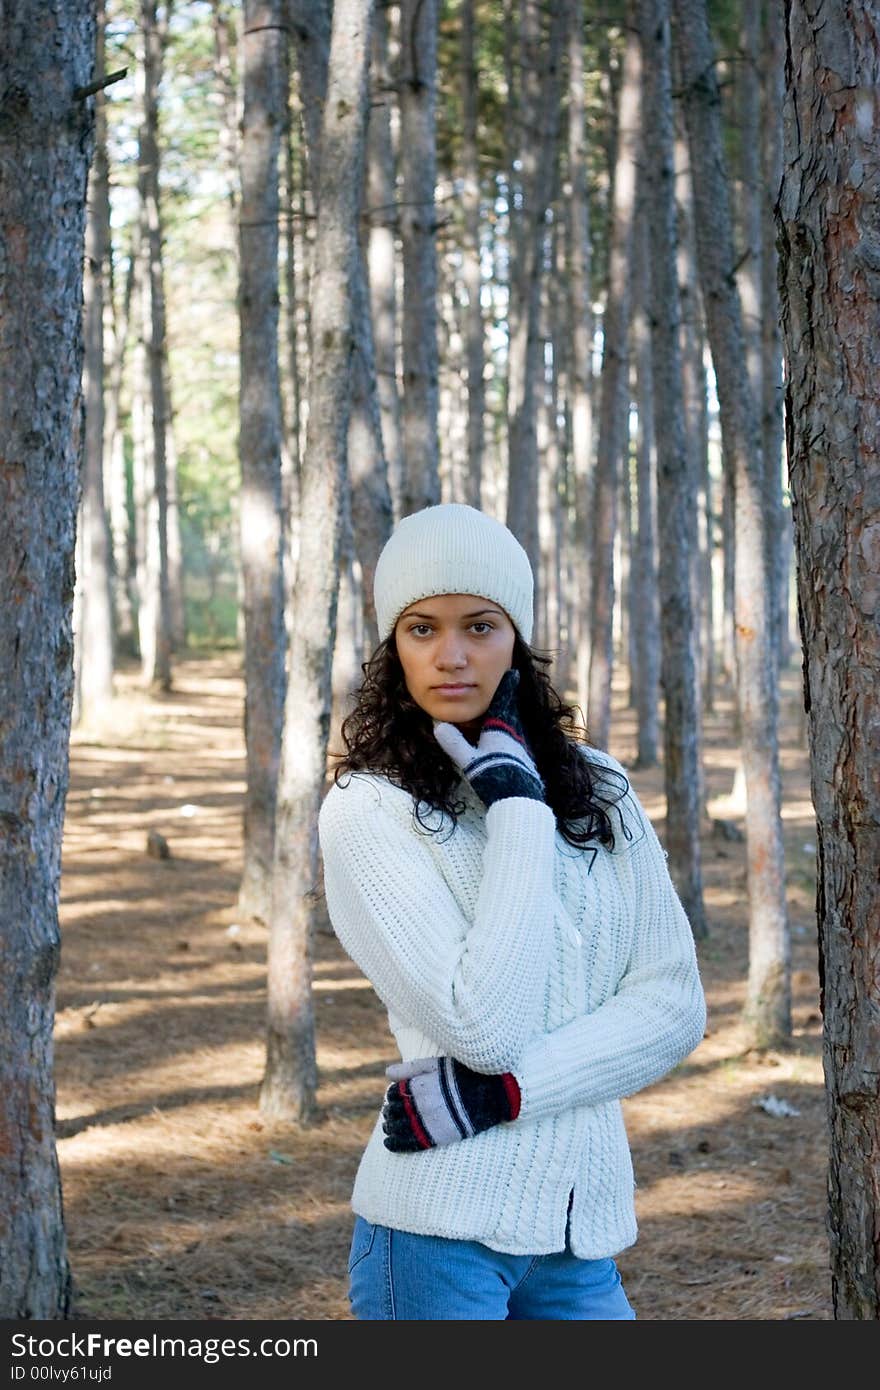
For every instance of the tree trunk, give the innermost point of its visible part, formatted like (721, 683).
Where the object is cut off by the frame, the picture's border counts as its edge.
(418, 227)
(348, 648)
(614, 399)
(260, 443)
(830, 291)
(94, 636)
(676, 510)
(122, 535)
(547, 616)
(289, 1083)
(768, 1000)
(693, 380)
(370, 498)
(296, 334)
(728, 558)
(779, 530)
(371, 509)
(753, 279)
(538, 154)
(624, 638)
(47, 56)
(176, 593)
(452, 414)
(748, 275)
(581, 343)
(382, 256)
(154, 616)
(644, 612)
(470, 253)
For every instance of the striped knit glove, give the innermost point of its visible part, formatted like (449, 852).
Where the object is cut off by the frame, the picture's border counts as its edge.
(437, 1100)
(501, 765)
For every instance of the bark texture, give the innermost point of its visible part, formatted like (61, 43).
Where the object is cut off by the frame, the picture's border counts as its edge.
(541, 106)
(580, 346)
(614, 397)
(472, 278)
(290, 1079)
(122, 536)
(154, 615)
(779, 530)
(830, 254)
(768, 998)
(94, 635)
(644, 612)
(418, 227)
(45, 146)
(382, 257)
(367, 471)
(676, 511)
(260, 443)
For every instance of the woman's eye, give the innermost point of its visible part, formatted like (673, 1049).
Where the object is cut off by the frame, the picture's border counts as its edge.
(420, 629)
(482, 628)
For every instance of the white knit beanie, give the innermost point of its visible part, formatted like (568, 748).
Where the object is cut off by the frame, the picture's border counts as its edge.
(453, 549)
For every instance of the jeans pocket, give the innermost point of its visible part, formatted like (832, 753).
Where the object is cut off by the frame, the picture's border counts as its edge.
(361, 1242)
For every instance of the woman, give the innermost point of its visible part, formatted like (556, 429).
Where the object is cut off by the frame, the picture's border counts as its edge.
(502, 889)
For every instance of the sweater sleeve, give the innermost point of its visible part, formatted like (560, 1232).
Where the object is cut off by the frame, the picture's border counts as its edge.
(655, 1018)
(472, 986)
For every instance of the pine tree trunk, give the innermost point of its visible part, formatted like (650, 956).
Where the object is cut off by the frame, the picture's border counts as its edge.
(418, 227)
(728, 557)
(47, 56)
(291, 381)
(260, 444)
(290, 1079)
(452, 417)
(676, 511)
(547, 624)
(154, 616)
(370, 498)
(707, 492)
(94, 635)
(371, 509)
(176, 595)
(614, 399)
(122, 537)
(581, 343)
(827, 219)
(695, 412)
(382, 256)
(624, 638)
(753, 278)
(644, 611)
(749, 252)
(470, 253)
(779, 529)
(539, 154)
(768, 999)
(348, 649)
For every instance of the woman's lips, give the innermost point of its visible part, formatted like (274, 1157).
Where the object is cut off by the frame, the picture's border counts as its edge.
(454, 689)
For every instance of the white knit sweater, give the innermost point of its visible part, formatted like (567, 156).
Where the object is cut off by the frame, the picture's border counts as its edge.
(500, 944)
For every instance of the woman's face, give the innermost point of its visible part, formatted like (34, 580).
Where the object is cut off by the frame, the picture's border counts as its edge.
(454, 649)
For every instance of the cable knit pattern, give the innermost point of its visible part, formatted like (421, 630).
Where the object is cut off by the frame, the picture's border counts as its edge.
(498, 943)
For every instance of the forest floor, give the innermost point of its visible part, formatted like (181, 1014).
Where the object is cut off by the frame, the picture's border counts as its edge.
(182, 1202)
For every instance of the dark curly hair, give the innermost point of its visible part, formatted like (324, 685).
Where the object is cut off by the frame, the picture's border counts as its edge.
(388, 733)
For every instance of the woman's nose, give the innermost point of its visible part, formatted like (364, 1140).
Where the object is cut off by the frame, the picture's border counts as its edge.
(450, 652)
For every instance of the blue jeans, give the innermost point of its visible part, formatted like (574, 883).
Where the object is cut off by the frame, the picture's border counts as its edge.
(398, 1276)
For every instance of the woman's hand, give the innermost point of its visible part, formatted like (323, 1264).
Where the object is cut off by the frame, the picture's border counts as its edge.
(436, 1100)
(501, 765)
